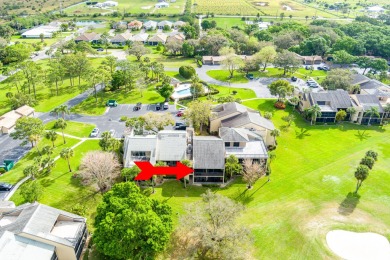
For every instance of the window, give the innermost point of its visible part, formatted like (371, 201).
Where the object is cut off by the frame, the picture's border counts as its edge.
(227, 144)
(321, 103)
(236, 144)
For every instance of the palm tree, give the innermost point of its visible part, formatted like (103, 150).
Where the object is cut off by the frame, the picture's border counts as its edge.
(63, 109)
(314, 111)
(48, 150)
(35, 138)
(361, 174)
(61, 123)
(386, 109)
(275, 133)
(66, 154)
(56, 111)
(52, 136)
(373, 111)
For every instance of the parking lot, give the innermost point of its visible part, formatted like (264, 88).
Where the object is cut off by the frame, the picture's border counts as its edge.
(115, 113)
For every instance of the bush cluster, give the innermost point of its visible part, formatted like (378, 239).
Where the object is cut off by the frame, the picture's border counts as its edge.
(187, 71)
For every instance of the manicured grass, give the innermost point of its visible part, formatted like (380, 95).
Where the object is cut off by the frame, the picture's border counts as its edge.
(224, 75)
(74, 128)
(47, 98)
(16, 174)
(90, 107)
(312, 175)
(47, 41)
(176, 75)
(61, 190)
(242, 93)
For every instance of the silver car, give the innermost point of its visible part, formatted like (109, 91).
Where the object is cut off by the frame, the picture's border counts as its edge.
(95, 132)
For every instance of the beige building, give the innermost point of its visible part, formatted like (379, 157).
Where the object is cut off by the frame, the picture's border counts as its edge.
(37, 231)
(8, 120)
(234, 115)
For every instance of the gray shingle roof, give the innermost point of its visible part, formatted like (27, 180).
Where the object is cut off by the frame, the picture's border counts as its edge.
(335, 99)
(368, 101)
(208, 152)
(237, 135)
(38, 220)
(229, 108)
(139, 144)
(359, 79)
(172, 145)
(247, 118)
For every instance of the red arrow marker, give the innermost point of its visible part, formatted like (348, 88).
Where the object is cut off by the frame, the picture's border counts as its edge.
(148, 170)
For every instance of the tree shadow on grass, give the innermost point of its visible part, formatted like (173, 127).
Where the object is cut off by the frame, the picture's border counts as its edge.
(348, 205)
(302, 133)
(47, 182)
(246, 195)
(284, 128)
(361, 135)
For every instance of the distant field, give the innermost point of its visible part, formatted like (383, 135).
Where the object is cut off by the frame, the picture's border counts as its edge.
(33, 7)
(133, 6)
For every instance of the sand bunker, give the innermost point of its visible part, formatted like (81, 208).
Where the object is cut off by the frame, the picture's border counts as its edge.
(358, 246)
(146, 7)
(287, 8)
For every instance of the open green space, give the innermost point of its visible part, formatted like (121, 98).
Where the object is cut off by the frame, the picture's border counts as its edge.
(73, 128)
(176, 75)
(134, 6)
(62, 190)
(16, 174)
(312, 175)
(46, 95)
(46, 41)
(90, 107)
(224, 75)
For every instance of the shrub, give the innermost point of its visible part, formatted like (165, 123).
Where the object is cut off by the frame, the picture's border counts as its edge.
(2, 170)
(187, 71)
(211, 185)
(238, 100)
(271, 147)
(372, 154)
(280, 105)
(123, 118)
(148, 191)
(268, 115)
(234, 92)
(368, 161)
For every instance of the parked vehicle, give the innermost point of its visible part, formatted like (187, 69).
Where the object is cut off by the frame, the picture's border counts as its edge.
(319, 68)
(100, 49)
(111, 103)
(166, 106)
(293, 78)
(180, 127)
(157, 106)
(325, 68)
(95, 132)
(313, 85)
(250, 76)
(180, 113)
(307, 67)
(112, 132)
(138, 106)
(5, 186)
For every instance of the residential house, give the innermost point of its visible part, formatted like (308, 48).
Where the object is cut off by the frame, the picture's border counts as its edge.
(208, 159)
(234, 115)
(168, 146)
(158, 38)
(372, 87)
(330, 103)
(150, 25)
(141, 37)
(106, 4)
(244, 144)
(46, 30)
(178, 37)
(311, 60)
(88, 37)
(8, 120)
(161, 5)
(363, 104)
(135, 25)
(263, 25)
(122, 39)
(178, 24)
(37, 231)
(120, 25)
(162, 24)
(376, 9)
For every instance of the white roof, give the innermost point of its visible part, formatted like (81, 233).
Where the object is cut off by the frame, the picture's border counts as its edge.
(45, 30)
(375, 8)
(163, 23)
(162, 4)
(150, 24)
(141, 37)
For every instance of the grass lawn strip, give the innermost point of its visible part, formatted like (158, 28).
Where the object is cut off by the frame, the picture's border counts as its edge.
(74, 128)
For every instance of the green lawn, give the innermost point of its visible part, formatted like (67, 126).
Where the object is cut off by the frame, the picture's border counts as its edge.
(176, 75)
(46, 95)
(61, 190)
(242, 93)
(16, 173)
(74, 128)
(47, 41)
(224, 75)
(311, 176)
(89, 106)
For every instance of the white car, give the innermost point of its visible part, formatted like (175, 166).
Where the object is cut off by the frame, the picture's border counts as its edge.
(112, 132)
(95, 132)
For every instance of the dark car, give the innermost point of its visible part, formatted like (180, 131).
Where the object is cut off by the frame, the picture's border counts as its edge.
(180, 127)
(5, 186)
(157, 107)
(320, 68)
(100, 49)
(294, 78)
(179, 124)
(138, 106)
(307, 67)
(325, 68)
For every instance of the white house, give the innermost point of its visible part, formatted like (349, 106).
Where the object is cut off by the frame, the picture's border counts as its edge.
(162, 5)
(46, 30)
(150, 25)
(375, 9)
(161, 24)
